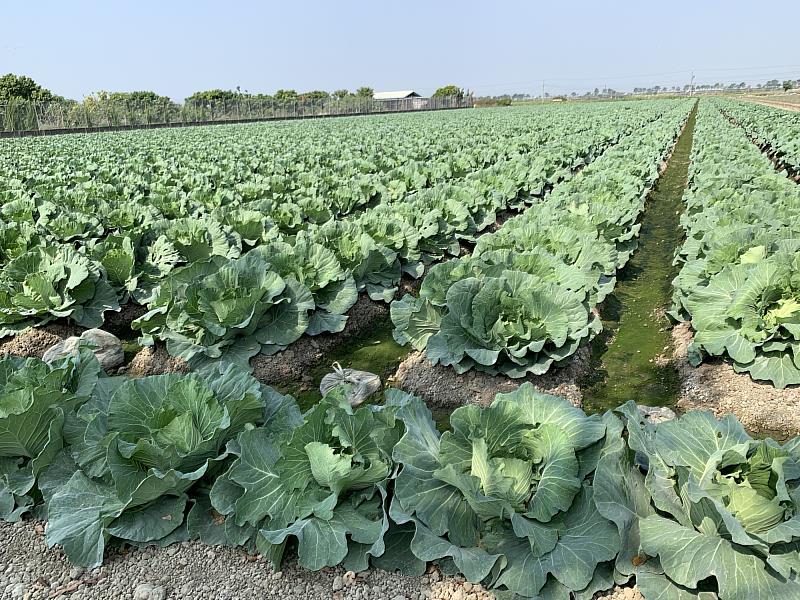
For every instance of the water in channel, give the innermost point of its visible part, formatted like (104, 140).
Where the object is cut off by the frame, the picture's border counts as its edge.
(627, 356)
(375, 352)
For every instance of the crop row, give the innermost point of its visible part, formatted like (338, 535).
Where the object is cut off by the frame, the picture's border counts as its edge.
(334, 166)
(738, 284)
(250, 276)
(775, 129)
(525, 297)
(528, 496)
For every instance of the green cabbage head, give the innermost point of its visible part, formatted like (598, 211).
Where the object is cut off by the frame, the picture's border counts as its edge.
(507, 494)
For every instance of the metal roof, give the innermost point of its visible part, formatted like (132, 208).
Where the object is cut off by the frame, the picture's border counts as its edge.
(395, 95)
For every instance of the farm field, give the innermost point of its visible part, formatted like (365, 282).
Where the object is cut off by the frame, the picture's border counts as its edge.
(530, 292)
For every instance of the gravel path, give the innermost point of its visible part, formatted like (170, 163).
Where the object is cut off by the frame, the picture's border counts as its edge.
(193, 571)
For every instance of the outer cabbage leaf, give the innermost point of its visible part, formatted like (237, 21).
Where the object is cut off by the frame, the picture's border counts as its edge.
(507, 494)
(35, 398)
(157, 436)
(323, 482)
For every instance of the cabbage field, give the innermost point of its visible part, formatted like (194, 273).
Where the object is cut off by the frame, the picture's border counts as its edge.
(494, 241)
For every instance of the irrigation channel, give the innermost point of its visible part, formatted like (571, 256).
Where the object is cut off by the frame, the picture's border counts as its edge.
(630, 358)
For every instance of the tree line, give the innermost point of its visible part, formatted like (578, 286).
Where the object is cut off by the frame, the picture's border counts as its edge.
(21, 87)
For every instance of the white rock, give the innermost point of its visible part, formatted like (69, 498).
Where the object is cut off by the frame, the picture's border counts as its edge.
(106, 347)
(148, 591)
(17, 590)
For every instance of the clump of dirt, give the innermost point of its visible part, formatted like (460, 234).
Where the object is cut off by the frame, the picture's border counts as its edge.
(715, 386)
(33, 342)
(409, 285)
(442, 388)
(154, 360)
(458, 587)
(299, 358)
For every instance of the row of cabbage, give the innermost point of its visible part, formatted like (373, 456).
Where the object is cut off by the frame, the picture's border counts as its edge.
(330, 167)
(774, 129)
(525, 298)
(528, 496)
(739, 285)
(232, 283)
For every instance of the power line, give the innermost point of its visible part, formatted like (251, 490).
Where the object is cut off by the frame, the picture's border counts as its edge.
(594, 78)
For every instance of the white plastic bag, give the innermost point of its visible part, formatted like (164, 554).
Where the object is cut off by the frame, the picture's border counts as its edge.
(362, 384)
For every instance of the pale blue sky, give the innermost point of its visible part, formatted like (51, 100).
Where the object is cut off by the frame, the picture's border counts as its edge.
(178, 47)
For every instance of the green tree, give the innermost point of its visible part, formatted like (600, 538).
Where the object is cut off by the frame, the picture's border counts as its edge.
(24, 88)
(314, 95)
(339, 94)
(286, 95)
(365, 92)
(216, 95)
(448, 91)
(787, 85)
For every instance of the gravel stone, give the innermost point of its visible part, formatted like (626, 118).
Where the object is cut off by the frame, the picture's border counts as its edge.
(16, 590)
(147, 591)
(656, 414)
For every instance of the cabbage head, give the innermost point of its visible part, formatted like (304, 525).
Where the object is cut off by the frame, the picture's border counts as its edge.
(35, 400)
(507, 494)
(136, 448)
(513, 324)
(52, 282)
(704, 510)
(226, 309)
(323, 481)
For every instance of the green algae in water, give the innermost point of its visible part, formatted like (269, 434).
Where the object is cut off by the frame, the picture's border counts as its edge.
(625, 357)
(130, 348)
(375, 352)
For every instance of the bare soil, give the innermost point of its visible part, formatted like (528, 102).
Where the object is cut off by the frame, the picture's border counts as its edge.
(776, 104)
(195, 571)
(154, 360)
(299, 358)
(442, 388)
(34, 342)
(119, 323)
(715, 386)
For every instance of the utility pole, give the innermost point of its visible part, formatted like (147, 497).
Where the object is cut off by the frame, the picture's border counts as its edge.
(542, 91)
(691, 85)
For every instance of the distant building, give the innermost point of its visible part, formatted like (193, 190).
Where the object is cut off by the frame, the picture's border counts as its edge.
(401, 95)
(403, 99)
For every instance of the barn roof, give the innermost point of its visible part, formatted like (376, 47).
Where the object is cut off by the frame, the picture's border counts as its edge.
(395, 95)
